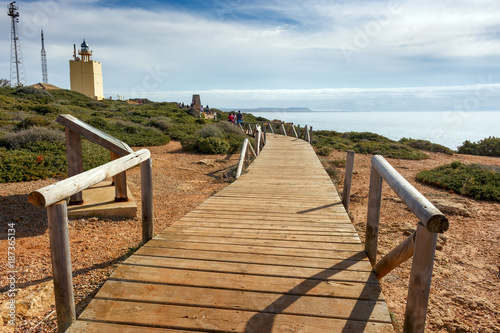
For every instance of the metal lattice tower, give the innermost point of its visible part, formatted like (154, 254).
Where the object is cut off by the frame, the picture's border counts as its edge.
(44, 63)
(17, 72)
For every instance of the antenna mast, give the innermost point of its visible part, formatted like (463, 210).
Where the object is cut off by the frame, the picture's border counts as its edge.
(44, 63)
(17, 72)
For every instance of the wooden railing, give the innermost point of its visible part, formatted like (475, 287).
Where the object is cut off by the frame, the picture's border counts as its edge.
(53, 197)
(75, 129)
(421, 244)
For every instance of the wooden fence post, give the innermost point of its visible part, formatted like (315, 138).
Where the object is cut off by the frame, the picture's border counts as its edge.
(373, 215)
(242, 158)
(420, 280)
(346, 193)
(298, 131)
(311, 135)
(147, 200)
(75, 161)
(265, 134)
(257, 141)
(57, 215)
(120, 181)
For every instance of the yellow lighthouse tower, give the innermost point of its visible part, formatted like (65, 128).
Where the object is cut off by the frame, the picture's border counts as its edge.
(86, 74)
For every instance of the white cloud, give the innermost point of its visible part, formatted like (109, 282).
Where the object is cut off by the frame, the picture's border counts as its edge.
(295, 51)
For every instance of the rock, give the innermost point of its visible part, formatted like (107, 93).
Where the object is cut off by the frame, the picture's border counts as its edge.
(453, 206)
(206, 162)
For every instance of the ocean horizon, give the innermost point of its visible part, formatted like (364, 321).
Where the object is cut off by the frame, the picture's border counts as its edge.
(448, 128)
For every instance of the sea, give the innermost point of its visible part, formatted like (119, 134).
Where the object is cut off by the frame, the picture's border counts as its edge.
(448, 128)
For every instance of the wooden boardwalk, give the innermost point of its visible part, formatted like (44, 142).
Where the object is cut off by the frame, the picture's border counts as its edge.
(273, 252)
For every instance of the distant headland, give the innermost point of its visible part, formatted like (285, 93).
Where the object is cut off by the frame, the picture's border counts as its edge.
(290, 109)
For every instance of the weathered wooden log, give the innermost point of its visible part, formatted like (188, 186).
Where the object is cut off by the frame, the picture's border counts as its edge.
(147, 200)
(94, 135)
(420, 280)
(271, 128)
(74, 157)
(283, 130)
(244, 148)
(373, 215)
(57, 216)
(59, 191)
(396, 257)
(257, 141)
(425, 211)
(346, 193)
(120, 183)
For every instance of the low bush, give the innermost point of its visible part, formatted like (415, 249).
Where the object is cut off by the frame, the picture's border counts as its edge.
(474, 180)
(426, 146)
(33, 121)
(486, 147)
(212, 145)
(20, 139)
(324, 151)
(366, 143)
(219, 138)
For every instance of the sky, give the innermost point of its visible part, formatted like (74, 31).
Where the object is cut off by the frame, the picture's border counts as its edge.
(339, 55)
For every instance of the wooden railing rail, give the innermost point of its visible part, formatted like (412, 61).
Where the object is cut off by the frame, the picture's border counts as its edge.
(75, 129)
(53, 197)
(421, 244)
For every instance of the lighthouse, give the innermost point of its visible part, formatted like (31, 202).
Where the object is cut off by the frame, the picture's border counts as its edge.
(85, 73)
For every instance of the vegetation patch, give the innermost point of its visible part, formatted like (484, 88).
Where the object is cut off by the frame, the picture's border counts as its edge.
(426, 146)
(487, 147)
(219, 138)
(477, 181)
(365, 143)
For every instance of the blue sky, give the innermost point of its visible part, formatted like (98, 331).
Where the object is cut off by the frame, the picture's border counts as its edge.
(325, 55)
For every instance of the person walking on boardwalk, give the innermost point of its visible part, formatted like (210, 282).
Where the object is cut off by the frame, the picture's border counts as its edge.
(239, 117)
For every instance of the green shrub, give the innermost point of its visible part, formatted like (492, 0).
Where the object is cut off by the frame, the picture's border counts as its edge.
(210, 130)
(366, 143)
(477, 181)
(46, 109)
(22, 138)
(164, 124)
(426, 146)
(486, 147)
(33, 121)
(212, 145)
(324, 151)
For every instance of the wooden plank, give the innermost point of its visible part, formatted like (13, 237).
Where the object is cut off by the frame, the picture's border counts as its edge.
(267, 259)
(255, 249)
(265, 242)
(156, 264)
(220, 320)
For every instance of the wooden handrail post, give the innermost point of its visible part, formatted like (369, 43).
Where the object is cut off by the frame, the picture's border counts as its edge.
(311, 135)
(257, 141)
(264, 134)
(120, 182)
(283, 130)
(306, 134)
(147, 200)
(298, 131)
(242, 158)
(420, 279)
(57, 215)
(346, 193)
(373, 215)
(75, 160)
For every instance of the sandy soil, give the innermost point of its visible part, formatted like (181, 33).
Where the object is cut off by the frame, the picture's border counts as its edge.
(465, 287)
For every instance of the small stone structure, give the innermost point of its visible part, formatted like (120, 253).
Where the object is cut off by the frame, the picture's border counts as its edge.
(197, 101)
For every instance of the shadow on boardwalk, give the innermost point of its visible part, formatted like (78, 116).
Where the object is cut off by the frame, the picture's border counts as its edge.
(263, 321)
